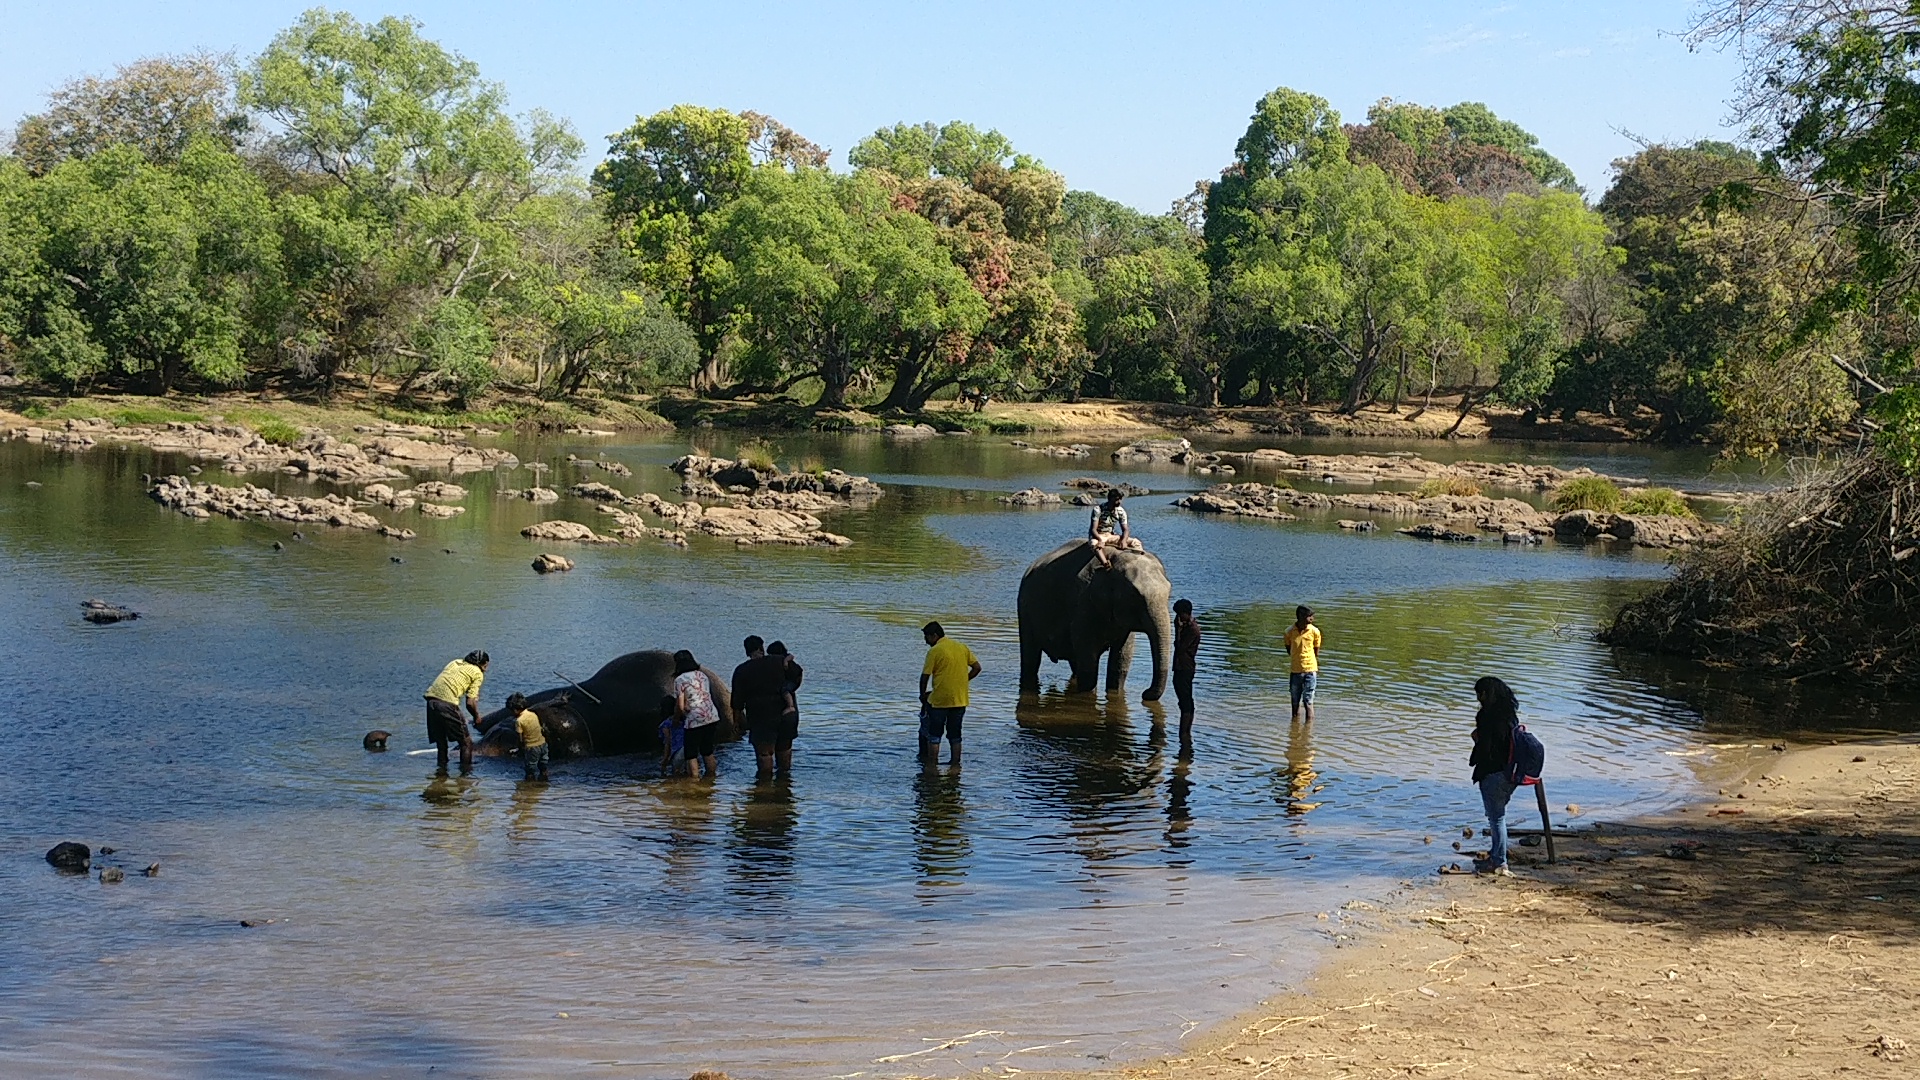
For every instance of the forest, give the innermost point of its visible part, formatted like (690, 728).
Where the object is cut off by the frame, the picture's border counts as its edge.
(357, 205)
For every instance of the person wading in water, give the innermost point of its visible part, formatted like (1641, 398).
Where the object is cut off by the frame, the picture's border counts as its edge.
(459, 683)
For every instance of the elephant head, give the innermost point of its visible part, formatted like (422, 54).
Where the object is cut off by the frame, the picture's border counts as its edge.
(1071, 610)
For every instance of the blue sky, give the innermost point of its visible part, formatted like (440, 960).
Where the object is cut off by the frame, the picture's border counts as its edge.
(1133, 100)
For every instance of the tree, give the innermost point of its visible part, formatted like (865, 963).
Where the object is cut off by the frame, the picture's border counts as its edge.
(1450, 153)
(955, 150)
(402, 174)
(157, 106)
(1474, 124)
(156, 271)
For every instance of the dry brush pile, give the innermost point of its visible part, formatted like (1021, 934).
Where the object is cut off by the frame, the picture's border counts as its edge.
(1820, 579)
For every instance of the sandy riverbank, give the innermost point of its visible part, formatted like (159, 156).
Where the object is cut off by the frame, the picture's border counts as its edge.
(1768, 933)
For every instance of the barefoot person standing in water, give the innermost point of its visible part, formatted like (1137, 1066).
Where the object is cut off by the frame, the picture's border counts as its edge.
(1303, 651)
(1186, 650)
(458, 683)
(944, 677)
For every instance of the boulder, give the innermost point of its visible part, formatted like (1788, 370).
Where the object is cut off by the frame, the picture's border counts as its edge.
(454, 457)
(1031, 497)
(1074, 450)
(439, 491)
(1430, 531)
(248, 501)
(532, 494)
(597, 491)
(1094, 483)
(910, 431)
(435, 510)
(375, 740)
(1153, 451)
(548, 563)
(565, 530)
(102, 613)
(1362, 525)
(70, 856)
(614, 467)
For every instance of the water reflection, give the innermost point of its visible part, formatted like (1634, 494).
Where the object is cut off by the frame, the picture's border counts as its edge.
(1299, 779)
(761, 850)
(941, 847)
(520, 808)
(1179, 812)
(453, 806)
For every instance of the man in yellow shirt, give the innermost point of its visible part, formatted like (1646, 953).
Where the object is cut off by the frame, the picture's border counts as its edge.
(1303, 647)
(458, 684)
(944, 677)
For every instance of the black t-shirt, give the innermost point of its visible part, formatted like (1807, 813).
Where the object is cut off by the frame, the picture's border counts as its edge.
(760, 688)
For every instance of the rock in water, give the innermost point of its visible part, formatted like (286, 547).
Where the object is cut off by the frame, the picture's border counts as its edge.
(102, 613)
(111, 874)
(153, 870)
(376, 739)
(71, 856)
(547, 563)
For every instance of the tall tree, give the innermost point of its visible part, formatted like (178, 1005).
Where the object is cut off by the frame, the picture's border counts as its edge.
(157, 106)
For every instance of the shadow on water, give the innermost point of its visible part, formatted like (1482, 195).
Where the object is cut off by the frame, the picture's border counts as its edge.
(761, 848)
(942, 845)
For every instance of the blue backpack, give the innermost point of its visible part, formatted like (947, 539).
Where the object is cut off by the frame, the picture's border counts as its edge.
(1526, 757)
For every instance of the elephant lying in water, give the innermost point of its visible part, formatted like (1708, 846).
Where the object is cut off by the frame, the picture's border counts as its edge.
(1071, 611)
(617, 711)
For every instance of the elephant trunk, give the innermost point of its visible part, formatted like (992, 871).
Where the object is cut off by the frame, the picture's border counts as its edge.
(1160, 619)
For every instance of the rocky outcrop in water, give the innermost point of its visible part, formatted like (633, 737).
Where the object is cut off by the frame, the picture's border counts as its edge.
(1412, 469)
(248, 501)
(571, 531)
(1461, 514)
(1030, 497)
(614, 467)
(101, 613)
(1154, 452)
(548, 563)
(532, 494)
(317, 456)
(70, 856)
(1073, 450)
(744, 525)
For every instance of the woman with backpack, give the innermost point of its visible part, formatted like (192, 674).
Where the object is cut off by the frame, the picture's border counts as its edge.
(1493, 734)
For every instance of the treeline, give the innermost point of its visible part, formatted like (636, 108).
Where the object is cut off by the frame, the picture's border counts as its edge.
(356, 202)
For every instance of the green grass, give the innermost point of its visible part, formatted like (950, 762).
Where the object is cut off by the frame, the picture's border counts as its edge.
(278, 432)
(1447, 485)
(1658, 501)
(759, 454)
(119, 415)
(1586, 493)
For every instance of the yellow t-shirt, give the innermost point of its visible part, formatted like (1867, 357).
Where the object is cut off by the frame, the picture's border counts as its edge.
(948, 662)
(1304, 647)
(458, 681)
(530, 733)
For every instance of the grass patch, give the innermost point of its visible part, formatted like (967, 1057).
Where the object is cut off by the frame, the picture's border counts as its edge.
(759, 454)
(1665, 501)
(1586, 493)
(278, 432)
(1459, 486)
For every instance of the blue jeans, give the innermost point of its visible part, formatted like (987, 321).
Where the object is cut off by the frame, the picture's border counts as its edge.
(534, 759)
(1302, 684)
(1495, 791)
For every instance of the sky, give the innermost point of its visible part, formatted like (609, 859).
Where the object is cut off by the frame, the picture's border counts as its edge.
(1135, 101)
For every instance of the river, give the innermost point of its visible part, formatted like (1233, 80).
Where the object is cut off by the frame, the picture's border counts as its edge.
(1082, 893)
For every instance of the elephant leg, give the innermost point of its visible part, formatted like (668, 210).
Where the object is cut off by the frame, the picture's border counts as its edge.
(1119, 659)
(1086, 667)
(1029, 661)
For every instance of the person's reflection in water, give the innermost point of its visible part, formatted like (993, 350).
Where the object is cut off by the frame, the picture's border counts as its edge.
(761, 850)
(1299, 774)
(453, 804)
(941, 847)
(1179, 788)
(520, 810)
(686, 811)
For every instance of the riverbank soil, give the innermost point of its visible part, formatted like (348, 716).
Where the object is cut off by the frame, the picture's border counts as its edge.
(1771, 933)
(1131, 417)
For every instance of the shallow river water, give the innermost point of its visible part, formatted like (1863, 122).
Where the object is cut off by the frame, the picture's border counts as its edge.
(1082, 892)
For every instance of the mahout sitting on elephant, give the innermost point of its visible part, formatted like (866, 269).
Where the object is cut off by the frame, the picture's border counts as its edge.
(1073, 609)
(617, 711)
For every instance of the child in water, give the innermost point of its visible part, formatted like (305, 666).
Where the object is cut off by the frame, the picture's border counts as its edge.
(533, 742)
(673, 738)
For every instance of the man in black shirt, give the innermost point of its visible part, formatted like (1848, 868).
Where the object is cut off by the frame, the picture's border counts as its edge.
(760, 706)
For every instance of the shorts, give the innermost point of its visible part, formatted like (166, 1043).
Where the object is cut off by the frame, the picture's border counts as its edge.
(780, 731)
(535, 757)
(1183, 690)
(935, 721)
(702, 740)
(1301, 683)
(445, 724)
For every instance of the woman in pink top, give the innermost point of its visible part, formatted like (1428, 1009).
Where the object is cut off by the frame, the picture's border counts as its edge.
(695, 695)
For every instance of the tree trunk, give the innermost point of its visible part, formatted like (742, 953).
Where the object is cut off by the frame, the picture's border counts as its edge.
(901, 394)
(836, 372)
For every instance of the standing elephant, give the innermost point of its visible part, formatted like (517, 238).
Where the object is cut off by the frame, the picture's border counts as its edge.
(1072, 611)
(617, 711)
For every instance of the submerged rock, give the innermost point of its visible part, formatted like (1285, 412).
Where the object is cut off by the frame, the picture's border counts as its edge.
(1430, 531)
(1031, 497)
(376, 739)
(548, 563)
(71, 856)
(112, 874)
(102, 613)
(532, 494)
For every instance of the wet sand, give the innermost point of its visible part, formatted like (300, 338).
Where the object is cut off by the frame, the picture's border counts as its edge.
(1768, 933)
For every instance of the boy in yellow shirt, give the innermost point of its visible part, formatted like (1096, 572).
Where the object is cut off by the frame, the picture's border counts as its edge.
(944, 677)
(533, 742)
(1303, 648)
